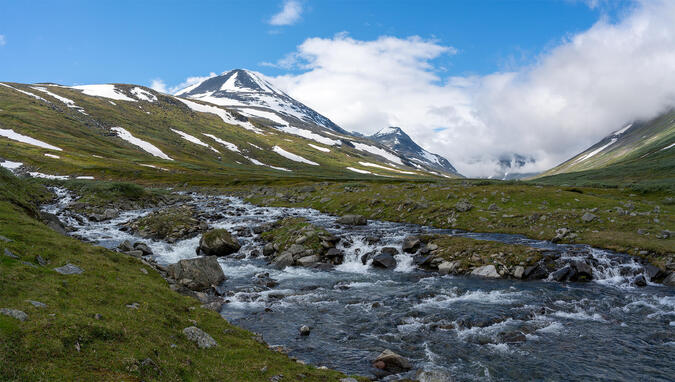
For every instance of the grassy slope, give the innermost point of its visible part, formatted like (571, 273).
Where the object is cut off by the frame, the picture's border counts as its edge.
(45, 347)
(83, 136)
(636, 158)
(534, 211)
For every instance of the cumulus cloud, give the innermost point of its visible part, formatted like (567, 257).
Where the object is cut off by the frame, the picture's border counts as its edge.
(586, 86)
(3, 41)
(159, 85)
(289, 14)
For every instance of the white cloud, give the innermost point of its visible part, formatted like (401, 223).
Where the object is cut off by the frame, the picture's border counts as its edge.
(3, 41)
(159, 85)
(289, 14)
(588, 85)
(190, 81)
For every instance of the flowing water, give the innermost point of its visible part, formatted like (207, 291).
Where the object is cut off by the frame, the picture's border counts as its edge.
(500, 330)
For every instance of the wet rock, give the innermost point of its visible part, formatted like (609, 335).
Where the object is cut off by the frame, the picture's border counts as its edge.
(143, 248)
(423, 261)
(334, 256)
(463, 205)
(512, 337)
(372, 240)
(535, 272)
(487, 271)
(434, 376)
(448, 267)
(285, 259)
(125, 246)
(411, 244)
(669, 280)
(391, 251)
(384, 260)
(640, 281)
(588, 217)
(518, 272)
(305, 330)
(352, 220)
(218, 242)
(53, 222)
(135, 253)
(268, 249)
(391, 362)
(654, 273)
(198, 336)
(584, 272)
(307, 261)
(561, 274)
(202, 271)
(350, 379)
(19, 315)
(69, 269)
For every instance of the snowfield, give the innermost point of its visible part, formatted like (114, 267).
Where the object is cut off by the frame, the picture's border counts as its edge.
(193, 139)
(358, 171)
(228, 145)
(11, 134)
(25, 92)
(325, 150)
(368, 164)
(52, 156)
(103, 90)
(8, 164)
(69, 102)
(293, 157)
(222, 113)
(145, 146)
(259, 163)
(378, 151)
(143, 95)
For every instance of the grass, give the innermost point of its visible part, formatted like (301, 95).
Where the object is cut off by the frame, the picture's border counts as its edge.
(288, 230)
(66, 340)
(500, 207)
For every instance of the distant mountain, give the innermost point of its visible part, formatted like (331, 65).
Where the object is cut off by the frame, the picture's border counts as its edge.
(641, 151)
(248, 91)
(397, 140)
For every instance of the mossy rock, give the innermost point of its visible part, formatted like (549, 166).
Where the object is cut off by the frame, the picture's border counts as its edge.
(218, 242)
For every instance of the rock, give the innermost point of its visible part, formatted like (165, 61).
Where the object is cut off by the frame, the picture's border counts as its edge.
(215, 306)
(19, 315)
(463, 206)
(584, 271)
(110, 213)
(384, 260)
(307, 261)
(487, 271)
(512, 337)
(125, 246)
(518, 272)
(306, 189)
(305, 330)
(218, 242)
(41, 260)
(335, 256)
(198, 336)
(296, 250)
(37, 304)
(53, 222)
(135, 253)
(5, 239)
(143, 248)
(391, 251)
(134, 305)
(268, 249)
(535, 272)
(203, 271)
(392, 362)
(561, 274)
(352, 220)
(448, 267)
(9, 253)
(284, 260)
(588, 217)
(350, 379)
(434, 376)
(640, 281)
(411, 244)
(493, 207)
(654, 273)
(670, 280)
(69, 269)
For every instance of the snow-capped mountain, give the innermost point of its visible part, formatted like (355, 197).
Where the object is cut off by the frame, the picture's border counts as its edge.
(397, 140)
(249, 93)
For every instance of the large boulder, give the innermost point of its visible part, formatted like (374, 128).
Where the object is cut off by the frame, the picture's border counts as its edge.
(411, 244)
(588, 217)
(308, 261)
(284, 260)
(448, 267)
(487, 271)
(392, 362)
(584, 272)
(19, 315)
(463, 205)
(384, 260)
(218, 242)
(352, 220)
(53, 222)
(670, 280)
(202, 271)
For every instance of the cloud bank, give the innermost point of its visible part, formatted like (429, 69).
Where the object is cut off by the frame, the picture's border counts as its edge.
(3, 41)
(289, 14)
(588, 85)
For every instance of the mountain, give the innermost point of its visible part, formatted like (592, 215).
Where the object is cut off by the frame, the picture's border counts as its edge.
(248, 92)
(122, 131)
(640, 151)
(397, 140)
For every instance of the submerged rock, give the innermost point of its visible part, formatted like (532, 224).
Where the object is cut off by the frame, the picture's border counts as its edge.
(384, 260)
(218, 242)
(305, 330)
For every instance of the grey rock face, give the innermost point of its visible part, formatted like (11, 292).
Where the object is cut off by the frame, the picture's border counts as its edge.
(203, 271)
(670, 280)
(19, 315)
(69, 269)
(53, 222)
(9, 253)
(198, 336)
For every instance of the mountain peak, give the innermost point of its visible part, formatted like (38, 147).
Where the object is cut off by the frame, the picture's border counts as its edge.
(392, 130)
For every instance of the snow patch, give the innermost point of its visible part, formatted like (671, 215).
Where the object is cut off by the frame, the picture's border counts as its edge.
(223, 114)
(359, 171)
(152, 166)
(293, 157)
(25, 92)
(52, 156)
(621, 131)
(377, 151)
(667, 147)
(228, 145)
(193, 139)
(85, 177)
(11, 134)
(143, 95)
(325, 150)
(69, 102)
(368, 164)
(145, 146)
(8, 164)
(105, 91)
(47, 176)
(592, 153)
(259, 163)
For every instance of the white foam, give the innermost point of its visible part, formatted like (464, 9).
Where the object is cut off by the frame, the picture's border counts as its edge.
(11, 134)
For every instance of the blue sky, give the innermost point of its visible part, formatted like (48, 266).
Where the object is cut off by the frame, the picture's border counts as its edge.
(75, 42)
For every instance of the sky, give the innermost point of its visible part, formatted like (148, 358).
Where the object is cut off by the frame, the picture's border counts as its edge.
(475, 81)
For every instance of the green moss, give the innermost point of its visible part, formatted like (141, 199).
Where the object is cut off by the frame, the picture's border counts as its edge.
(288, 230)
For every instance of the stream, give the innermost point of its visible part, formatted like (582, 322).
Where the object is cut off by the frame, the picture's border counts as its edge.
(475, 329)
